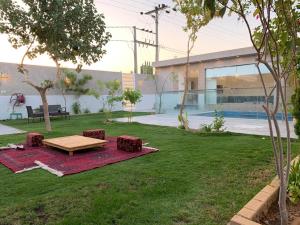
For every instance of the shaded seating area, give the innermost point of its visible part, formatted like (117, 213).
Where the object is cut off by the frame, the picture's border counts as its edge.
(54, 111)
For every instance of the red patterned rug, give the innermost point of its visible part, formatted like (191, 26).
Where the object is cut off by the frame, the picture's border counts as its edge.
(60, 163)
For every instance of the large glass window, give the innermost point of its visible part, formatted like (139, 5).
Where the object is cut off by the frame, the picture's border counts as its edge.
(236, 82)
(235, 71)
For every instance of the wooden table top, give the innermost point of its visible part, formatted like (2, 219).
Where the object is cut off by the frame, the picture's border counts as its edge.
(73, 143)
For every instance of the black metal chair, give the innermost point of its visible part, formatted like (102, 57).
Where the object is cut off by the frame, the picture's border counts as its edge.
(56, 110)
(33, 115)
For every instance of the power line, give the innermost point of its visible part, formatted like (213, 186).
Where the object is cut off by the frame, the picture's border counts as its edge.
(215, 27)
(147, 43)
(227, 35)
(154, 13)
(121, 40)
(144, 43)
(118, 27)
(143, 3)
(174, 21)
(171, 20)
(126, 4)
(116, 6)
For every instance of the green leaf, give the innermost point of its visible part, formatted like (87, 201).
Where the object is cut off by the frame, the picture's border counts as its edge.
(256, 12)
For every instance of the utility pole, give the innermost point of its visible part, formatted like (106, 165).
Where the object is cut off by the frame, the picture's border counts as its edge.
(138, 42)
(156, 37)
(135, 51)
(155, 15)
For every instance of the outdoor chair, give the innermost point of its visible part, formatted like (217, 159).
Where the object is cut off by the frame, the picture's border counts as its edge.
(56, 110)
(33, 115)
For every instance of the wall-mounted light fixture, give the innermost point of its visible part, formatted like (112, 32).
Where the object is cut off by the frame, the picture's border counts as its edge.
(4, 76)
(67, 81)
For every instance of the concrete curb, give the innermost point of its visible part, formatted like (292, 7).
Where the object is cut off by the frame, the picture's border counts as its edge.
(259, 204)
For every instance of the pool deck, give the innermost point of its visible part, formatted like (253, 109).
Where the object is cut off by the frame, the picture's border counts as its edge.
(235, 125)
(5, 130)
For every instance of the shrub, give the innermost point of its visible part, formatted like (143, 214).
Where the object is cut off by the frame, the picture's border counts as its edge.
(218, 123)
(113, 88)
(133, 97)
(86, 111)
(216, 126)
(76, 108)
(294, 183)
(206, 128)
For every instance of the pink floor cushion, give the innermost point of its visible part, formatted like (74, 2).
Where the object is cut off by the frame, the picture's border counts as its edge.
(34, 139)
(96, 133)
(129, 143)
(60, 163)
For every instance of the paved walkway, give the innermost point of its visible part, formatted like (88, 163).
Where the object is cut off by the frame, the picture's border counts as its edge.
(235, 125)
(4, 130)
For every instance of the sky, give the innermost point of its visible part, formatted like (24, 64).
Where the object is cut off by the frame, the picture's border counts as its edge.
(120, 15)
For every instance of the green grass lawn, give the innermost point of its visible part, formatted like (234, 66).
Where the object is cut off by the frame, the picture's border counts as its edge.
(193, 179)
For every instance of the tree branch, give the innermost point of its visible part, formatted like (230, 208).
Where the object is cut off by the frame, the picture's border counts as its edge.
(21, 65)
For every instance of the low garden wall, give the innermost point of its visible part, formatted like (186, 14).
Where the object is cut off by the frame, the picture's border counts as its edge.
(259, 205)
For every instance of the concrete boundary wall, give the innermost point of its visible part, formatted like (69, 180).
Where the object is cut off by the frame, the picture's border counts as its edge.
(86, 102)
(145, 84)
(14, 80)
(13, 83)
(147, 104)
(147, 87)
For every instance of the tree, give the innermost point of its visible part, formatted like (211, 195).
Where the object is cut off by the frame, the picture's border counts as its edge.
(70, 82)
(75, 84)
(275, 41)
(146, 68)
(98, 93)
(196, 18)
(159, 89)
(133, 97)
(113, 88)
(296, 98)
(64, 30)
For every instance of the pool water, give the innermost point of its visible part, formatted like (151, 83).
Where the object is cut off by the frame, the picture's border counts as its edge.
(245, 115)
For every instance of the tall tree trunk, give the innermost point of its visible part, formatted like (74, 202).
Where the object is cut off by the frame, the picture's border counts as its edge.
(43, 88)
(46, 109)
(65, 99)
(186, 80)
(282, 203)
(160, 103)
(131, 112)
(42, 91)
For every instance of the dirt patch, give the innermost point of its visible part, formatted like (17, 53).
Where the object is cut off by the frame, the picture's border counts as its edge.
(103, 186)
(256, 176)
(273, 217)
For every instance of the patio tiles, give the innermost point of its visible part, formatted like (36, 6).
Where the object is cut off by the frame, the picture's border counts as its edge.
(235, 125)
(4, 130)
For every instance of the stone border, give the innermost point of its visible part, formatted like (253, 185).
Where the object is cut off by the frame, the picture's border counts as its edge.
(259, 204)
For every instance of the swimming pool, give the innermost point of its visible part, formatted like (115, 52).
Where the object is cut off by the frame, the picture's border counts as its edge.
(245, 115)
